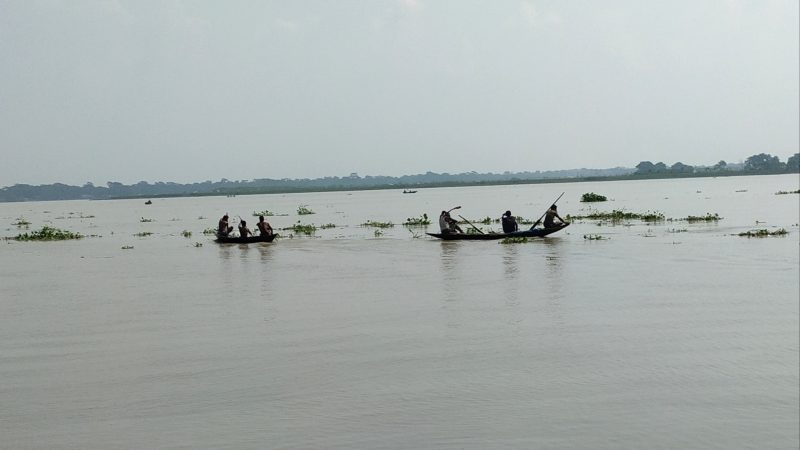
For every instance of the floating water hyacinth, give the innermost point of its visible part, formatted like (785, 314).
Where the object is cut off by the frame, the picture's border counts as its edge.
(764, 233)
(372, 223)
(417, 221)
(592, 197)
(48, 233)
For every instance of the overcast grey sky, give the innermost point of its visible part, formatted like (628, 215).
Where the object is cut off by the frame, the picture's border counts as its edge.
(189, 90)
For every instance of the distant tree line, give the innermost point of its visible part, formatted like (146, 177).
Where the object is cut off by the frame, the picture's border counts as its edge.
(113, 189)
(761, 163)
(756, 164)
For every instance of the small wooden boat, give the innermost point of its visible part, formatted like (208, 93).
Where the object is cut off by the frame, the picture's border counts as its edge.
(536, 232)
(149, 202)
(241, 240)
(409, 191)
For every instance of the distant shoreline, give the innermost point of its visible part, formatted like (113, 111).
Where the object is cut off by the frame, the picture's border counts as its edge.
(42, 190)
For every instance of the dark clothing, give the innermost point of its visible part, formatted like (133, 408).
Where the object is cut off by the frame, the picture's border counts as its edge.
(509, 224)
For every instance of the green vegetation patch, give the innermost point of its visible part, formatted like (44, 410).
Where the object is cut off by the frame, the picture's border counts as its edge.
(265, 213)
(304, 210)
(21, 222)
(707, 218)
(299, 228)
(764, 233)
(327, 225)
(210, 231)
(186, 233)
(420, 221)
(48, 233)
(618, 215)
(594, 237)
(787, 192)
(592, 197)
(375, 224)
(143, 220)
(143, 234)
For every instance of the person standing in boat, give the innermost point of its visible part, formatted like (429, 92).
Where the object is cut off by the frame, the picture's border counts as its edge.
(447, 224)
(223, 229)
(243, 230)
(550, 216)
(509, 223)
(264, 227)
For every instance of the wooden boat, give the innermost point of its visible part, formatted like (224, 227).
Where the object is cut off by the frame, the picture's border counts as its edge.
(241, 240)
(536, 232)
(409, 191)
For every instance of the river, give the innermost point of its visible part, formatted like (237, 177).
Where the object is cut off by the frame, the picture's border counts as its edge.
(671, 334)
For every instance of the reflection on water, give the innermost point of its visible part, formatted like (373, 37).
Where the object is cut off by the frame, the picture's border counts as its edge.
(511, 271)
(553, 268)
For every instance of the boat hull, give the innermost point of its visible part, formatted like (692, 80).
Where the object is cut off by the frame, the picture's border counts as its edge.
(241, 240)
(536, 232)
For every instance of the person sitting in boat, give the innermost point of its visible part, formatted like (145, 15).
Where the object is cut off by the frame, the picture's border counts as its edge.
(264, 227)
(447, 224)
(509, 223)
(243, 230)
(223, 229)
(550, 216)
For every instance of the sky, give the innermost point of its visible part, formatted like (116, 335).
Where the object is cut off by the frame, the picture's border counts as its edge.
(194, 90)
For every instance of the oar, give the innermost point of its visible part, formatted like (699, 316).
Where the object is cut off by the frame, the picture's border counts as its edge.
(470, 224)
(548, 208)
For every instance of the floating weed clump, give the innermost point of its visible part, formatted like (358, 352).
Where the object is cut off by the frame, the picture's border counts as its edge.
(764, 233)
(143, 234)
(418, 221)
(80, 215)
(378, 233)
(372, 223)
(594, 237)
(127, 247)
(514, 240)
(21, 222)
(618, 215)
(143, 220)
(48, 233)
(327, 225)
(299, 228)
(198, 244)
(677, 230)
(210, 231)
(304, 210)
(186, 233)
(592, 197)
(707, 218)
(264, 213)
(201, 217)
(787, 192)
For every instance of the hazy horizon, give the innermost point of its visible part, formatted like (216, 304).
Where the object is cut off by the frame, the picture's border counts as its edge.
(190, 91)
